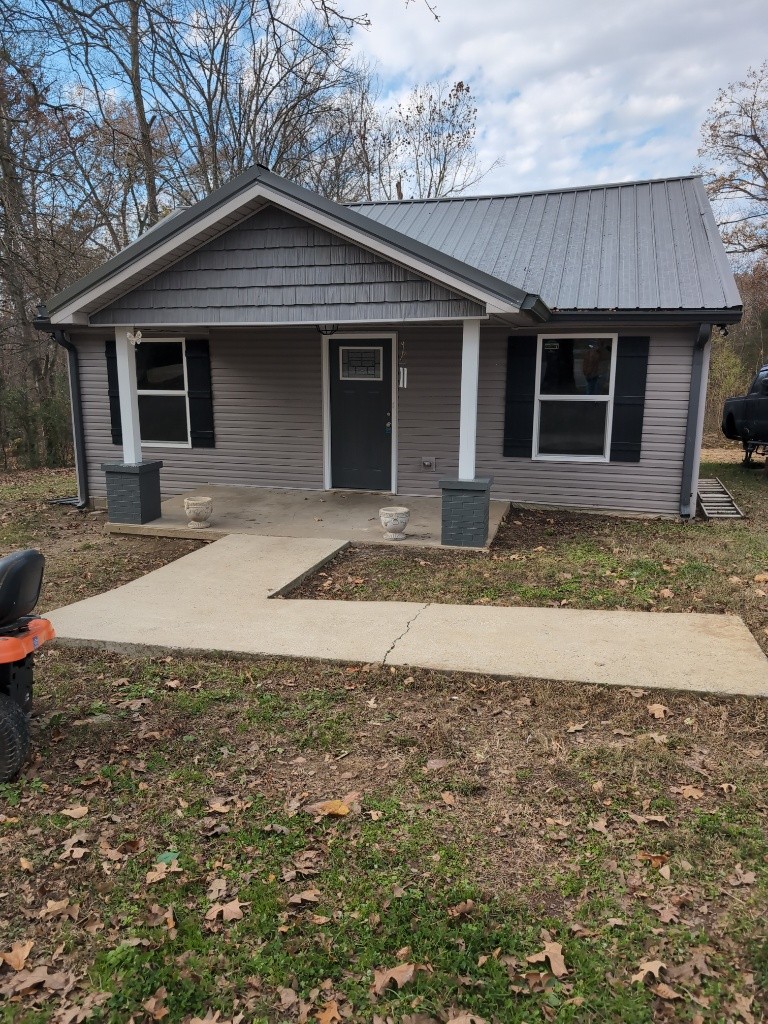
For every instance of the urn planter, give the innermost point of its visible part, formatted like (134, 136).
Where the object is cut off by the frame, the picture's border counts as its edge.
(394, 519)
(198, 511)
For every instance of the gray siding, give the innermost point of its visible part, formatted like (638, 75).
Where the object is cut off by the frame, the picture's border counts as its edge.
(276, 268)
(267, 412)
(268, 419)
(652, 485)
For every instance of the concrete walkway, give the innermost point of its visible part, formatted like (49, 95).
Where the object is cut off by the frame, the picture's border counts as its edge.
(218, 599)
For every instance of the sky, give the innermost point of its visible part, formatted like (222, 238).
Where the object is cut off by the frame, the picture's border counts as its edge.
(572, 93)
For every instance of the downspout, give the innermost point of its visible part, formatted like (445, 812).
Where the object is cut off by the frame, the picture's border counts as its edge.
(42, 322)
(697, 397)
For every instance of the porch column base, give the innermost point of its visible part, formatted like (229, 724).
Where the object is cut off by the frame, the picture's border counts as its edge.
(133, 492)
(465, 510)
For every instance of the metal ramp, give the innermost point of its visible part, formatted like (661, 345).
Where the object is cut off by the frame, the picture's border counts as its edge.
(716, 501)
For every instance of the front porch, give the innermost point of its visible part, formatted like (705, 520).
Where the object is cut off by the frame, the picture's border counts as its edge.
(282, 512)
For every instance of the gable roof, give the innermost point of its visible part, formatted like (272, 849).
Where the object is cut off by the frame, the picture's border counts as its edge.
(186, 230)
(642, 245)
(646, 246)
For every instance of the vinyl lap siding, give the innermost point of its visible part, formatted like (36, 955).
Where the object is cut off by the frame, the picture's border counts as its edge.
(428, 409)
(650, 486)
(268, 420)
(267, 413)
(276, 268)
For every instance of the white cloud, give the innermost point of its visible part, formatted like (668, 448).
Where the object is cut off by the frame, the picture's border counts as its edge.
(569, 94)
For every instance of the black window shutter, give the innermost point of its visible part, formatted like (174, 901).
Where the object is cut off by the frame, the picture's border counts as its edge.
(200, 394)
(629, 399)
(113, 392)
(521, 388)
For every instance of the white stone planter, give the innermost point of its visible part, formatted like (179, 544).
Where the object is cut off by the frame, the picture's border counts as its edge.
(198, 512)
(394, 520)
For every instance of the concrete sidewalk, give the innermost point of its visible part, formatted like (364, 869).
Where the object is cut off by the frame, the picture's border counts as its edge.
(218, 599)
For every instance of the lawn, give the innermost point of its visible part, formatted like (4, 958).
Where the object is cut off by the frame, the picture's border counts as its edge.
(259, 840)
(581, 560)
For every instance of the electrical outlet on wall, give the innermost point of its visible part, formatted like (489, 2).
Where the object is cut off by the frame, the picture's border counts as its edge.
(429, 463)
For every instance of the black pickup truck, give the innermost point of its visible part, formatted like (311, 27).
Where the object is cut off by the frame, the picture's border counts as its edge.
(746, 419)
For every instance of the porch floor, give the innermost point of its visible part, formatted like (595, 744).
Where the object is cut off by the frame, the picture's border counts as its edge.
(276, 512)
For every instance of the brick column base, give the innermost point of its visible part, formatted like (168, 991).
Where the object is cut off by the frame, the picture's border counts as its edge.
(133, 492)
(466, 505)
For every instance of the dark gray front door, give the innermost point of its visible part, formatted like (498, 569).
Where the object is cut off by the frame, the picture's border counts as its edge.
(361, 413)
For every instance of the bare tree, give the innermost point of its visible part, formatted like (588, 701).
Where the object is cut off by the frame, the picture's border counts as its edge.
(735, 147)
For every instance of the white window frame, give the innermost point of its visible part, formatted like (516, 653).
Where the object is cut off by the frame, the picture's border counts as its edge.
(607, 399)
(168, 394)
(353, 348)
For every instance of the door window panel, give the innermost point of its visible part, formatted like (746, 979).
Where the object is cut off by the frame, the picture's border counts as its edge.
(360, 363)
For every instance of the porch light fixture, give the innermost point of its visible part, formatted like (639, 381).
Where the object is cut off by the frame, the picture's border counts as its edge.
(327, 329)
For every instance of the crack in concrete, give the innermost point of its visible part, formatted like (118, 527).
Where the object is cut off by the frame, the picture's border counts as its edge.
(397, 639)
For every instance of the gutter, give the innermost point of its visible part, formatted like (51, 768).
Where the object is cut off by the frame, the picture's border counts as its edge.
(42, 322)
(694, 426)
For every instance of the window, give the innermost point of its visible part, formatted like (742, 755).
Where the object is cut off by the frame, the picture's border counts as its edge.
(574, 397)
(161, 380)
(360, 363)
(759, 383)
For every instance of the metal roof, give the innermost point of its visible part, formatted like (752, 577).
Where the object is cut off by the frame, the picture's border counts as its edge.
(643, 245)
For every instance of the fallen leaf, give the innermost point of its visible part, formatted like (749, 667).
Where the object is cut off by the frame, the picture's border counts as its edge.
(740, 877)
(155, 1005)
(463, 909)
(576, 726)
(400, 975)
(17, 955)
(666, 592)
(688, 792)
(307, 896)
(448, 798)
(436, 763)
(328, 808)
(600, 825)
(231, 911)
(658, 710)
(553, 952)
(648, 967)
(762, 577)
(75, 812)
(329, 1013)
(288, 998)
(664, 991)
(25, 865)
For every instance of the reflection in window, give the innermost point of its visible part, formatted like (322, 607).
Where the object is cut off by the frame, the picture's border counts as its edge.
(162, 393)
(574, 397)
(576, 366)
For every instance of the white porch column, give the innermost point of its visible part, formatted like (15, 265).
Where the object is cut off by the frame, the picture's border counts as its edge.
(470, 372)
(129, 402)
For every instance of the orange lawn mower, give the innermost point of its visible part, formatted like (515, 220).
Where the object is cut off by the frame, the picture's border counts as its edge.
(21, 634)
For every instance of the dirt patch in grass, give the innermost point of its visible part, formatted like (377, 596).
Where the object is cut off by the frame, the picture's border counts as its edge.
(161, 849)
(81, 559)
(580, 560)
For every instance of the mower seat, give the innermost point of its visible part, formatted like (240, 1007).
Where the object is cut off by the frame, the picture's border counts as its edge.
(21, 577)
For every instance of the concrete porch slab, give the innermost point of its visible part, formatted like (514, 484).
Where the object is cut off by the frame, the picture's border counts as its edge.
(274, 512)
(218, 598)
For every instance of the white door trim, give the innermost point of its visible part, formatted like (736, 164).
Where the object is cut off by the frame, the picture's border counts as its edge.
(369, 336)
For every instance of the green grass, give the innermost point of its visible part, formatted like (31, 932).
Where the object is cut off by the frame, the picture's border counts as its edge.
(506, 823)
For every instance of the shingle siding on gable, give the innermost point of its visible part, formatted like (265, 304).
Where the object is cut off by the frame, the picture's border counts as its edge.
(276, 268)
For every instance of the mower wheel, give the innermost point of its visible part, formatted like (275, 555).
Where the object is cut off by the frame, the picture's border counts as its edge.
(14, 738)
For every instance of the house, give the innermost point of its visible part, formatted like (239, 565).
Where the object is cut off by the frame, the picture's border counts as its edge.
(547, 348)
